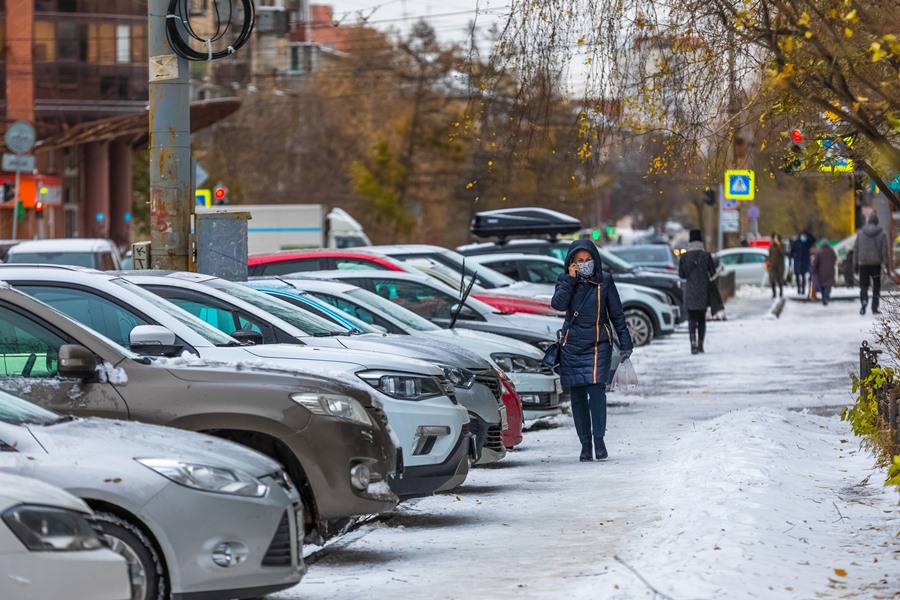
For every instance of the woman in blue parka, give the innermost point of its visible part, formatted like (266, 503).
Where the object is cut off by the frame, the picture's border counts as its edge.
(592, 306)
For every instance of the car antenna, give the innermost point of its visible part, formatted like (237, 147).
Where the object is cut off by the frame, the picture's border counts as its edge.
(462, 301)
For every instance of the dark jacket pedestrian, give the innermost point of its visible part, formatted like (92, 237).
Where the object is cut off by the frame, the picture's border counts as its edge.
(823, 268)
(775, 262)
(697, 268)
(870, 255)
(801, 249)
(593, 310)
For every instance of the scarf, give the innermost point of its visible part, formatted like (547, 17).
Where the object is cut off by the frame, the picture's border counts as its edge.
(695, 246)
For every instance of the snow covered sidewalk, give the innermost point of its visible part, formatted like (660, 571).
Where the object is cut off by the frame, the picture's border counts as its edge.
(729, 477)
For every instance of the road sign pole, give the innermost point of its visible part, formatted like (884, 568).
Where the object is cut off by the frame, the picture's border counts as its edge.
(15, 210)
(720, 238)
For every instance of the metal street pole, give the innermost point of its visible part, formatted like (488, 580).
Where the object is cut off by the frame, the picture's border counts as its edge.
(15, 210)
(171, 199)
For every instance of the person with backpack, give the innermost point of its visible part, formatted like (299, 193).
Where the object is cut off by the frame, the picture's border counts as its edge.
(870, 255)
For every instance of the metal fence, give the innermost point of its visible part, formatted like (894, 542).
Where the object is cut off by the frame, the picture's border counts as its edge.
(888, 395)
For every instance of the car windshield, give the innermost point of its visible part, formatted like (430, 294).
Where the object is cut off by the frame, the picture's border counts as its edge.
(614, 261)
(395, 311)
(644, 254)
(299, 318)
(15, 411)
(78, 259)
(485, 276)
(201, 328)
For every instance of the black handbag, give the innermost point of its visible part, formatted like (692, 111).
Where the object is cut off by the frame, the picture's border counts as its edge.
(551, 358)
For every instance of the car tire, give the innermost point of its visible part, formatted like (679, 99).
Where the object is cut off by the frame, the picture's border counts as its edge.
(148, 576)
(639, 326)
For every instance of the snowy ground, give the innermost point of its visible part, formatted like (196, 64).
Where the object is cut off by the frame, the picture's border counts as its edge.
(730, 476)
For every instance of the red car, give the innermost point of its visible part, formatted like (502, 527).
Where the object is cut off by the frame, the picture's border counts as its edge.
(512, 435)
(298, 261)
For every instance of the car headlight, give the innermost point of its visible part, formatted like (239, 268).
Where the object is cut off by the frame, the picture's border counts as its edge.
(334, 405)
(403, 386)
(459, 377)
(517, 363)
(49, 529)
(204, 477)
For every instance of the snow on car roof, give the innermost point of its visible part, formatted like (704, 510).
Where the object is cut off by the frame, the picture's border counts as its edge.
(63, 245)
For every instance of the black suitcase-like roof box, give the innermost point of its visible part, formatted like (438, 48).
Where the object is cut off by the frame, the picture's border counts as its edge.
(535, 221)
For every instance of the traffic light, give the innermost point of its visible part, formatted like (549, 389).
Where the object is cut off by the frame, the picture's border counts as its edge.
(220, 195)
(39, 209)
(709, 197)
(20, 210)
(595, 234)
(9, 191)
(795, 160)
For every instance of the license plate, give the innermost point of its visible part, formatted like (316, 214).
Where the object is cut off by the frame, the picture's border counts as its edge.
(557, 386)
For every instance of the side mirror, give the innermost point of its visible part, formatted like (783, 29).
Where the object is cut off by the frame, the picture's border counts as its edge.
(248, 337)
(153, 340)
(76, 362)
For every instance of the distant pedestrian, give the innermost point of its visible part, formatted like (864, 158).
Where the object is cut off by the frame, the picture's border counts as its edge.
(696, 267)
(593, 309)
(870, 255)
(776, 264)
(801, 248)
(824, 265)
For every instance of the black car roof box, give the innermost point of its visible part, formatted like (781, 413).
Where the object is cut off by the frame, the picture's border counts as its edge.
(533, 221)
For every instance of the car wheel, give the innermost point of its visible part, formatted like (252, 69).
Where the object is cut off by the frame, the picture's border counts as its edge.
(148, 577)
(639, 326)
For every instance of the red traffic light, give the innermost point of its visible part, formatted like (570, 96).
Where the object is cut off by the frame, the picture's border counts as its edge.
(797, 135)
(220, 193)
(39, 206)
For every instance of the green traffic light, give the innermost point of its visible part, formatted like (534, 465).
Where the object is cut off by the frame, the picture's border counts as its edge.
(595, 235)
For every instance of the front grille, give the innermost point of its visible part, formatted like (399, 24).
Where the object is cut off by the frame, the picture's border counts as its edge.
(491, 380)
(474, 427)
(279, 552)
(448, 388)
(667, 317)
(542, 399)
(466, 430)
(494, 439)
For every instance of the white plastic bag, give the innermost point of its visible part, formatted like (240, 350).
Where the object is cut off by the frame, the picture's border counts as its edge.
(625, 380)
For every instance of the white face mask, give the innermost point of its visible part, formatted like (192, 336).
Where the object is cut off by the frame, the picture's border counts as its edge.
(586, 268)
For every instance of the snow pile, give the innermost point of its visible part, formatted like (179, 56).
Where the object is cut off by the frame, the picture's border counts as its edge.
(750, 511)
(107, 373)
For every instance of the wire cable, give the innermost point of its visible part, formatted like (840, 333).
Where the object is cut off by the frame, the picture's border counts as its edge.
(178, 13)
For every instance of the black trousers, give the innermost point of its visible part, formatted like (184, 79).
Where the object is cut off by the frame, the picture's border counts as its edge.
(867, 272)
(697, 324)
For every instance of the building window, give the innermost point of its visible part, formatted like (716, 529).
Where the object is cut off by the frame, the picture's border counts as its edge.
(101, 43)
(139, 44)
(44, 41)
(123, 44)
(70, 42)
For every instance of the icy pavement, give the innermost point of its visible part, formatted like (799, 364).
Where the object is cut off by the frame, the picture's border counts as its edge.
(725, 481)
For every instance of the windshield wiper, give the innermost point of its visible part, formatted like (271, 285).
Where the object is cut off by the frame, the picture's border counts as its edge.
(462, 301)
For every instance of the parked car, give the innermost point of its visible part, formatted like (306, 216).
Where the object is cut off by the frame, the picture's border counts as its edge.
(538, 388)
(317, 259)
(49, 547)
(747, 264)
(82, 252)
(161, 497)
(664, 281)
(648, 312)
(331, 436)
(227, 306)
(657, 256)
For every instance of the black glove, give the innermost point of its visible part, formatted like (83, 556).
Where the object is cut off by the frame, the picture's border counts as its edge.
(624, 354)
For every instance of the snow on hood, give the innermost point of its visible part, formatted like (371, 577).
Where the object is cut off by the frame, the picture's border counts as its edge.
(484, 342)
(126, 439)
(333, 358)
(427, 349)
(25, 490)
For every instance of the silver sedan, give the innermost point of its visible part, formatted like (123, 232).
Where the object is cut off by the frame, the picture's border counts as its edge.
(192, 514)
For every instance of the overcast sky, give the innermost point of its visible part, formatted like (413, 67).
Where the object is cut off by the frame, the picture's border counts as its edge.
(450, 18)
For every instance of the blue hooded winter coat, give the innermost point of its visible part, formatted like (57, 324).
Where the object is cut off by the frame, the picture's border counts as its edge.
(586, 349)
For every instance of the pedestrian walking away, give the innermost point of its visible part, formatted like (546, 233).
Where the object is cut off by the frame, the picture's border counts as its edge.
(870, 255)
(776, 264)
(824, 265)
(697, 268)
(593, 309)
(801, 248)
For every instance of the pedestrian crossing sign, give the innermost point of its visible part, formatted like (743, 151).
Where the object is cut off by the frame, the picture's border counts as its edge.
(740, 185)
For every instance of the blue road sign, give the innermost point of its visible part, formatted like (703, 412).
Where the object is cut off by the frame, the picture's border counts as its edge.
(739, 185)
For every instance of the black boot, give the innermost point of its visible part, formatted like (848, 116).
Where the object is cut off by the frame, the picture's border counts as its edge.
(600, 449)
(862, 310)
(694, 348)
(586, 452)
